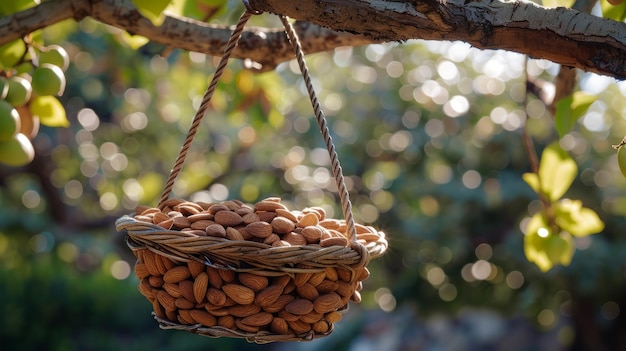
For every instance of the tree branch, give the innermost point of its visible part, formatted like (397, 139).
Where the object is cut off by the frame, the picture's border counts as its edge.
(564, 36)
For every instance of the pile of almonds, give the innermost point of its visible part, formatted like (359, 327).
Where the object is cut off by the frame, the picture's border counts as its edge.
(268, 221)
(192, 293)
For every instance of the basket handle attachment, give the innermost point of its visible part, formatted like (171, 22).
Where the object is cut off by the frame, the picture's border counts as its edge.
(344, 197)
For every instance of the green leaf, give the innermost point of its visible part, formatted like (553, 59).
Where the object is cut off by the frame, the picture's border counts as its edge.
(577, 220)
(50, 111)
(547, 249)
(134, 41)
(532, 180)
(152, 9)
(557, 3)
(557, 171)
(570, 109)
(613, 12)
(8, 7)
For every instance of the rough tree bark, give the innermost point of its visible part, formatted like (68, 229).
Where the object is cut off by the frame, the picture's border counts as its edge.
(565, 36)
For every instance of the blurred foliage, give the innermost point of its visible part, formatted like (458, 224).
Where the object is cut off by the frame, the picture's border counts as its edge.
(430, 138)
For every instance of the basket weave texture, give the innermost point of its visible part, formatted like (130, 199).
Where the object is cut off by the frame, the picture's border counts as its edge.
(261, 272)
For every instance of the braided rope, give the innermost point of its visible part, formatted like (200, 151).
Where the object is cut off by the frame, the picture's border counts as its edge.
(230, 47)
(344, 196)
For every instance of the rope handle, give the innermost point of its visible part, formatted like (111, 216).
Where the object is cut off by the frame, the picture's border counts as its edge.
(344, 197)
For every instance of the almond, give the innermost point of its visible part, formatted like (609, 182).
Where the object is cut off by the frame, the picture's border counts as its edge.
(279, 326)
(184, 304)
(301, 278)
(155, 281)
(318, 211)
(227, 275)
(311, 234)
(344, 289)
(329, 223)
(158, 309)
(181, 222)
(215, 208)
(307, 291)
(195, 267)
(333, 317)
(335, 241)
(239, 293)
(250, 218)
(203, 216)
(308, 219)
(233, 234)
(266, 216)
(158, 262)
(188, 209)
(146, 290)
(159, 217)
(268, 205)
(289, 317)
(331, 273)
(186, 289)
(215, 230)
(141, 271)
(204, 318)
(287, 214)
(217, 311)
(246, 328)
(269, 295)
(271, 239)
(258, 319)
(216, 297)
(172, 289)
(171, 315)
(299, 307)
(201, 224)
(327, 286)
(176, 274)
(294, 239)
(244, 310)
(321, 327)
(356, 297)
(282, 225)
(279, 304)
(253, 281)
(362, 274)
(149, 261)
(226, 322)
(215, 280)
(327, 303)
(317, 278)
(311, 317)
(228, 218)
(165, 300)
(344, 274)
(259, 229)
(184, 317)
(167, 224)
(299, 327)
(200, 285)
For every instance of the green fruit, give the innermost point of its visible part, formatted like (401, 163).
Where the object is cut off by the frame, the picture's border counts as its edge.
(54, 55)
(48, 79)
(19, 91)
(8, 7)
(17, 151)
(10, 123)
(11, 53)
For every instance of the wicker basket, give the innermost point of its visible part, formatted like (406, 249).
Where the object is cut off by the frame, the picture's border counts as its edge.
(260, 272)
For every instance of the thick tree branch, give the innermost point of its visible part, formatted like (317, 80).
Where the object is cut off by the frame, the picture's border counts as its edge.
(568, 37)
(267, 47)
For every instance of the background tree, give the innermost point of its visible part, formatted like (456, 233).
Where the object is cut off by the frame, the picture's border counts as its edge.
(438, 141)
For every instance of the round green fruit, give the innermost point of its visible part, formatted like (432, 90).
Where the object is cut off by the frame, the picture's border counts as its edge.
(19, 91)
(17, 151)
(10, 123)
(54, 55)
(48, 79)
(11, 53)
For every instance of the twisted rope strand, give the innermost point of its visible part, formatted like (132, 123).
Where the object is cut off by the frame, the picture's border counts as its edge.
(204, 105)
(344, 196)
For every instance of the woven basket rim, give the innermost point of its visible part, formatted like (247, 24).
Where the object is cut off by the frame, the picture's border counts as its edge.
(243, 255)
